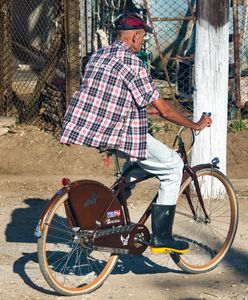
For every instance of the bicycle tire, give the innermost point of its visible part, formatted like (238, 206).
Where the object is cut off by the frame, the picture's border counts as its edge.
(209, 242)
(69, 268)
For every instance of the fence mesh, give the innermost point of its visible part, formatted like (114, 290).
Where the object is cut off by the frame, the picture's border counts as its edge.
(45, 46)
(238, 71)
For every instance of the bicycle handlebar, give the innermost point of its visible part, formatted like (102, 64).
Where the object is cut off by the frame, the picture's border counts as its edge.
(193, 134)
(179, 140)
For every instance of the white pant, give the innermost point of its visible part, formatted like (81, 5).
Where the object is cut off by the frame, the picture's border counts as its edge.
(167, 165)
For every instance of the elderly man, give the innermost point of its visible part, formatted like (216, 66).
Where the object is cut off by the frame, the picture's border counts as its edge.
(109, 111)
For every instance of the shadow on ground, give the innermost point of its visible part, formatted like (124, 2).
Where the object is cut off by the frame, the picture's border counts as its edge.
(21, 230)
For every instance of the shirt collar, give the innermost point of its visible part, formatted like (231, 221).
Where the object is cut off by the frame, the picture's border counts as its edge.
(122, 45)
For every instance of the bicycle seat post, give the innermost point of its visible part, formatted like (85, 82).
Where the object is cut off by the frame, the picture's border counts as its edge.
(117, 166)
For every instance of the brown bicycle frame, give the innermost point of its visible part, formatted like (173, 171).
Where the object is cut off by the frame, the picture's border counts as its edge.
(121, 185)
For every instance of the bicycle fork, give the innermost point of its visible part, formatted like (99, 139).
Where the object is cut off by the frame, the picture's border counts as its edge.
(192, 174)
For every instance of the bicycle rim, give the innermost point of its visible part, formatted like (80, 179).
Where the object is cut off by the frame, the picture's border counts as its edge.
(209, 240)
(68, 267)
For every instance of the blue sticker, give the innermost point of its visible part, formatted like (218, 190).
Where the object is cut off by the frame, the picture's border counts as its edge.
(113, 214)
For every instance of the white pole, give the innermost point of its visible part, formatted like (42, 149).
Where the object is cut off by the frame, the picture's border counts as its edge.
(211, 82)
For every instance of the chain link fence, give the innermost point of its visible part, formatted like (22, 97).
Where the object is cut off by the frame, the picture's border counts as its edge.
(238, 70)
(32, 61)
(46, 44)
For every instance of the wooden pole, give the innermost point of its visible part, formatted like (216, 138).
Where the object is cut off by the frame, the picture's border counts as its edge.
(5, 55)
(2, 98)
(72, 9)
(211, 79)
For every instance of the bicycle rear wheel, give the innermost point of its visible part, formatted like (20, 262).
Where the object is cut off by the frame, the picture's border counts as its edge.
(209, 240)
(69, 266)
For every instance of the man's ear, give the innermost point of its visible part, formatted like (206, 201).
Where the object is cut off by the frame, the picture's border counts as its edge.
(134, 37)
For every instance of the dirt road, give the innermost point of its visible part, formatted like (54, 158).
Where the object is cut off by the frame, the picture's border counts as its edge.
(146, 277)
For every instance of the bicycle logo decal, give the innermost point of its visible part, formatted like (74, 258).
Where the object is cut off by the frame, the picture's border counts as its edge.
(125, 240)
(113, 214)
(91, 201)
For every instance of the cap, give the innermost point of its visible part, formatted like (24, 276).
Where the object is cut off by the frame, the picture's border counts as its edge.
(130, 21)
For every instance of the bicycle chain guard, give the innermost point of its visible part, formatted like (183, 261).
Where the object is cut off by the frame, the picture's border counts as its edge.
(133, 238)
(92, 205)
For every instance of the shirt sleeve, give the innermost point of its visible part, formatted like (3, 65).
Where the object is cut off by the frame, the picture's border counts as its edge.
(143, 88)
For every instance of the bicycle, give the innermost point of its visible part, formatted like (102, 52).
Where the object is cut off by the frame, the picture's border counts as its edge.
(86, 225)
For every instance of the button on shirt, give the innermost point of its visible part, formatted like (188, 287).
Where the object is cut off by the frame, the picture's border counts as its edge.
(109, 110)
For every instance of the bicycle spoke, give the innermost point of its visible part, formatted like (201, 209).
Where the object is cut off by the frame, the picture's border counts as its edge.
(70, 267)
(209, 239)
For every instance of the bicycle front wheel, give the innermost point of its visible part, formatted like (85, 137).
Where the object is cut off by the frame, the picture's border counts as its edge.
(69, 266)
(209, 238)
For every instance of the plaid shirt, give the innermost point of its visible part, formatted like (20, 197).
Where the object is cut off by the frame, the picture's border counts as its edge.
(109, 110)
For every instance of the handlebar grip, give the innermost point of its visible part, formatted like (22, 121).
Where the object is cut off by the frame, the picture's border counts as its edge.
(208, 114)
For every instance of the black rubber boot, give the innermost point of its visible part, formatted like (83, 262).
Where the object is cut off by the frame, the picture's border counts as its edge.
(162, 222)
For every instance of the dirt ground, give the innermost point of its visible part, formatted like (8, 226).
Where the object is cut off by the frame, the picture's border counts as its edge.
(31, 167)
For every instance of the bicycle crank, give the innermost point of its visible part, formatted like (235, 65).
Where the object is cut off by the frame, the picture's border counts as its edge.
(133, 238)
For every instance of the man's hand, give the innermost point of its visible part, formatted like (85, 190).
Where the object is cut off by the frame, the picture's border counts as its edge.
(205, 121)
